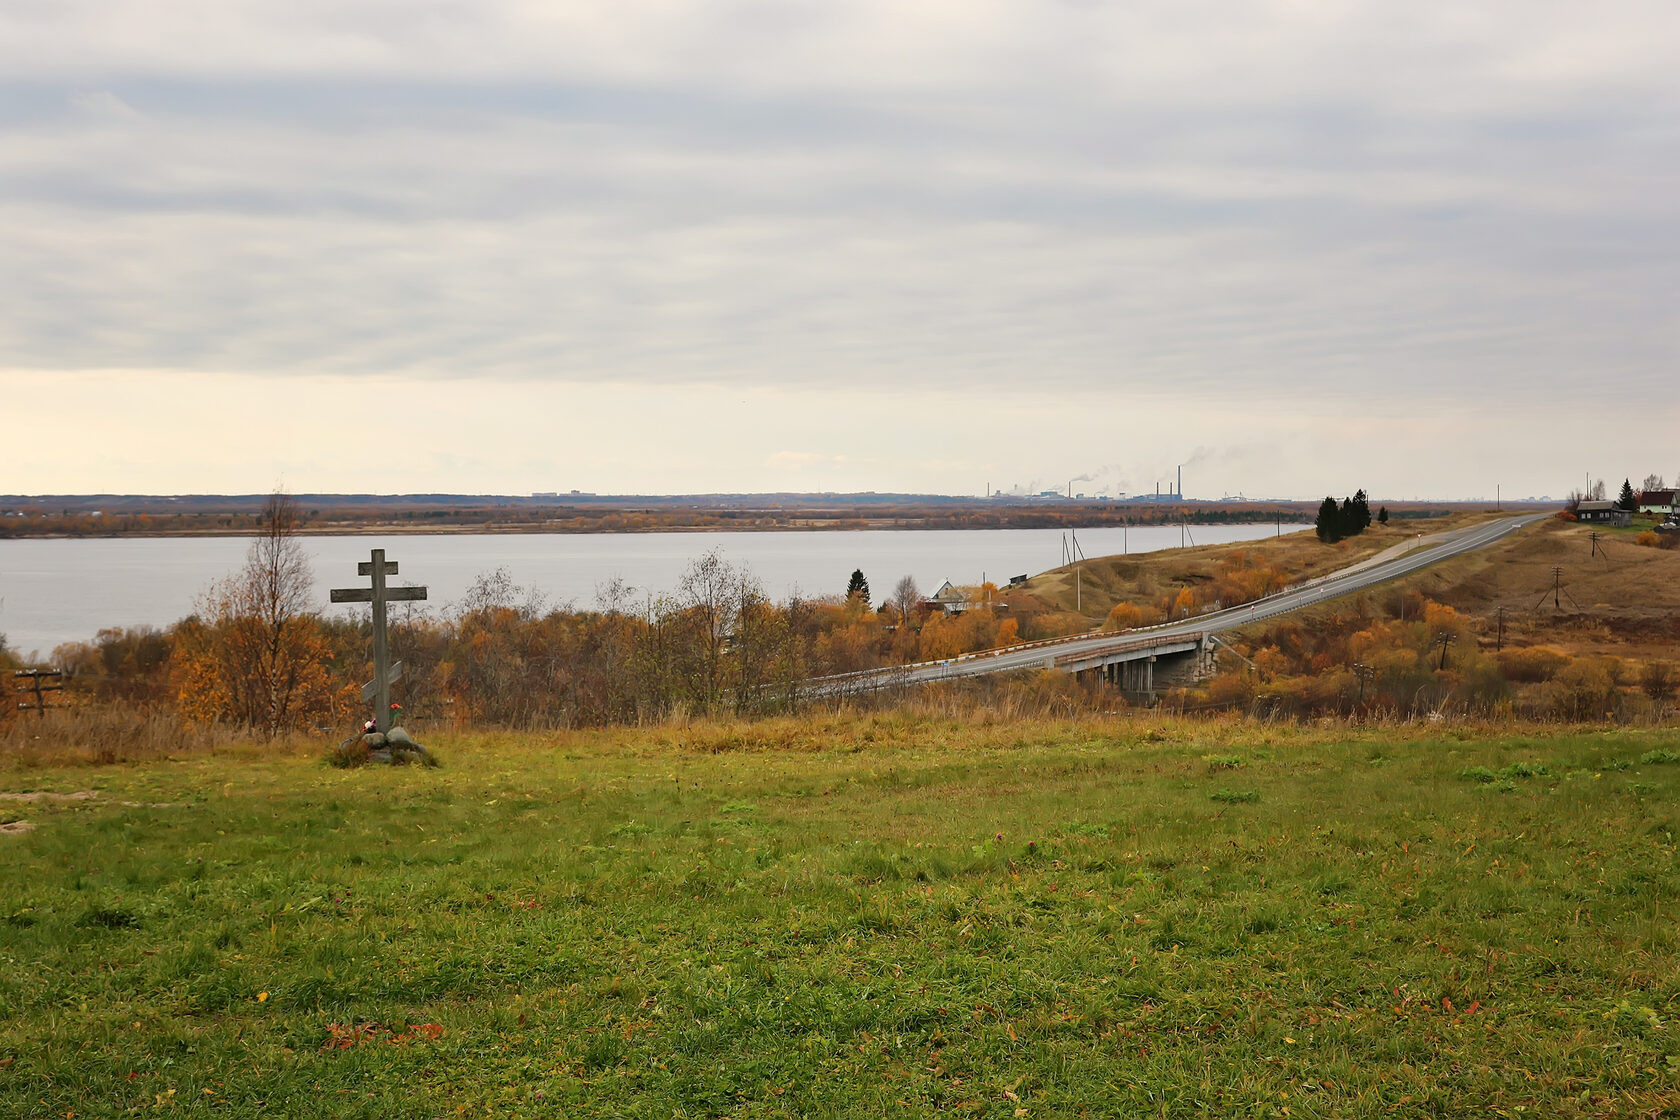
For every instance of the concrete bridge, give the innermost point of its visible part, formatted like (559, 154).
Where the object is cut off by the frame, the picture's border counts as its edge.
(1138, 665)
(1141, 666)
(1141, 662)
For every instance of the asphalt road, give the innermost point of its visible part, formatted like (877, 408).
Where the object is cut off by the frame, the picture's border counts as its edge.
(1041, 654)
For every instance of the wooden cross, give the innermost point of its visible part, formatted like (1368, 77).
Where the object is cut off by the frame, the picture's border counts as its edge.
(38, 681)
(384, 673)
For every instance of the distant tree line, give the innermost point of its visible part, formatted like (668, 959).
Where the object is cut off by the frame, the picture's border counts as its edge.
(1349, 519)
(29, 519)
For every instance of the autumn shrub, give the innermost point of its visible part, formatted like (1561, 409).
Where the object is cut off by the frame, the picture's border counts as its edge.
(1046, 692)
(1650, 538)
(1530, 665)
(981, 629)
(941, 638)
(1286, 696)
(1657, 680)
(1482, 685)
(1581, 690)
(1427, 662)
(128, 666)
(1127, 615)
(1232, 690)
(235, 670)
(1242, 578)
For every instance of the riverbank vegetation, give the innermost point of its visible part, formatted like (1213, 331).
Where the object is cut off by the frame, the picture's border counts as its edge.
(1487, 635)
(889, 914)
(502, 658)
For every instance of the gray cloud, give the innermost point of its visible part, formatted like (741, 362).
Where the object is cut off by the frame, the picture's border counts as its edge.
(1352, 207)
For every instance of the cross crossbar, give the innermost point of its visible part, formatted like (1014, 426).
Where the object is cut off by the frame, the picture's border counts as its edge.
(365, 595)
(392, 676)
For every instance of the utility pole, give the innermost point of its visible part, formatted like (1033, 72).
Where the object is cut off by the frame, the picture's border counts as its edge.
(1444, 640)
(1366, 674)
(1499, 641)
(1557, 590)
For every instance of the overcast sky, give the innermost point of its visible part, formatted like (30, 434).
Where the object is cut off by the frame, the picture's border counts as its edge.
(648, 246)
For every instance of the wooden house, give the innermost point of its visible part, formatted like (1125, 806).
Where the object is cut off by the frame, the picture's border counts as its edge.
(1603, 513)
(1658, 501)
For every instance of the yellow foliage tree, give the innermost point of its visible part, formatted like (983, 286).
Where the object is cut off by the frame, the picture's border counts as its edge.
(226, 670)
(253, 656)
(941, 637)
(1127, 615)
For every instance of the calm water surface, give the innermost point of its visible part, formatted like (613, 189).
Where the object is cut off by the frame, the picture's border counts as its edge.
(54, 591)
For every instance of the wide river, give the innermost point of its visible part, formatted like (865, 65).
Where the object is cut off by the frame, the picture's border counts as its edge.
(54, 591)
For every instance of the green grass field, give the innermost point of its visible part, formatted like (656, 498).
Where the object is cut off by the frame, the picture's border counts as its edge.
(856, 916)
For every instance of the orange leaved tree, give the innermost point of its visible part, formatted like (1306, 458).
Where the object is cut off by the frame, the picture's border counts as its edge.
(252, 655)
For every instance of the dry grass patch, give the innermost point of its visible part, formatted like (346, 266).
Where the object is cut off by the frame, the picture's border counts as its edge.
(1146, 579)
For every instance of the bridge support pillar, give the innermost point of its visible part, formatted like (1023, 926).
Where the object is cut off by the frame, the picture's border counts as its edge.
(1136, 678)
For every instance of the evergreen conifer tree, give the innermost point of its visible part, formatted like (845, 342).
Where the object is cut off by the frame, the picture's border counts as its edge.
(1626, 500)
(1382, 515)
(858, 585)
(1361, 510)
(1328, 525)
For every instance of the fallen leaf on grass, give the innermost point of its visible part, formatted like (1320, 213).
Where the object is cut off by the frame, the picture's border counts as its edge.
(341, 1036)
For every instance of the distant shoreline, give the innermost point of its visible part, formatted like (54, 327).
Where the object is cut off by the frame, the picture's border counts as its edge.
(115, 516)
